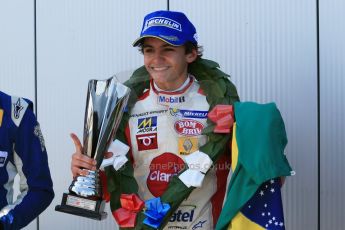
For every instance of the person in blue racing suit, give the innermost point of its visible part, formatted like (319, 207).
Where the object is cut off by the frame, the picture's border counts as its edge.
(22, 152)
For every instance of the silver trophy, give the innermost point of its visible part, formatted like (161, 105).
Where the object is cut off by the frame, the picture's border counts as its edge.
(106, 100)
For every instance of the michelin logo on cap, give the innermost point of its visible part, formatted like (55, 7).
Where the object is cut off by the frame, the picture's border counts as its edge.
(162, 21)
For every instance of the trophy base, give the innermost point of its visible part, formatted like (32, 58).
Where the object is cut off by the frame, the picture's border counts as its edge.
(75, 205)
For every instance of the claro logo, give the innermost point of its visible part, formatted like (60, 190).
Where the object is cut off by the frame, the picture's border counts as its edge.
(162, 169)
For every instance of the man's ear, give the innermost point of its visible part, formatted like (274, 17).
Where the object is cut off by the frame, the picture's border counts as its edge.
(190, 57)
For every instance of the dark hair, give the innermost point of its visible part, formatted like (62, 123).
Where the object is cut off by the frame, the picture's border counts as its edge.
(189, 46)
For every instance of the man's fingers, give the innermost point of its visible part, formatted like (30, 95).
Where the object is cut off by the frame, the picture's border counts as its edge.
(78, 164)
(84, 164)
(79, 172)
(82, 160)
(77, 143)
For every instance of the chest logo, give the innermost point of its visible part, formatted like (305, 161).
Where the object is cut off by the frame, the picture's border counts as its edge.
(170, 99)
(188, 127)
(188, 113)
(162, 169)
(187, 145)
(147, 124)
(147, 141)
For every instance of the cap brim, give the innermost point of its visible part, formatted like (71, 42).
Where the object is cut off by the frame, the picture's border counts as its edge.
(137, 42)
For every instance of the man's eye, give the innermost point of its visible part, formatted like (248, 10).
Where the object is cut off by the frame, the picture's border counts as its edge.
(148, 50)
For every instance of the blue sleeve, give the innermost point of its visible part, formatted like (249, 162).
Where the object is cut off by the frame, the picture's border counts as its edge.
(32, 164)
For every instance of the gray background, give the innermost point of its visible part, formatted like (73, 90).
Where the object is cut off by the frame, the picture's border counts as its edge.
(287, 51)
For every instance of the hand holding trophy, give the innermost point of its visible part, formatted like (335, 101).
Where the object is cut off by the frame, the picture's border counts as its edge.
(106, 100)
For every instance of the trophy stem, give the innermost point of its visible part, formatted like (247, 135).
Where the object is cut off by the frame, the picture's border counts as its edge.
(87, 186)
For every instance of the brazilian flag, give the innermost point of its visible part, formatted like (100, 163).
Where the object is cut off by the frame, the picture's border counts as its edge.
(253, 200)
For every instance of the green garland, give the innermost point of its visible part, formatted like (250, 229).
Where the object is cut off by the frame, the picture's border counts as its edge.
(218, 90)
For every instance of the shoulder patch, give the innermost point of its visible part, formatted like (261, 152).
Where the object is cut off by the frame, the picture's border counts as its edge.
(18, 108)
(38, 134)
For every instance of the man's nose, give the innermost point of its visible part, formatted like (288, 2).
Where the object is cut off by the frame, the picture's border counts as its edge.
(158, 55)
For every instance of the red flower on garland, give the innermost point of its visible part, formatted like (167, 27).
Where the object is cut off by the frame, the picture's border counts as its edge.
(223, 116)
(131, 205)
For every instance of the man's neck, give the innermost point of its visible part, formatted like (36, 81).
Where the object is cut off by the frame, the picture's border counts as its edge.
(184, 84)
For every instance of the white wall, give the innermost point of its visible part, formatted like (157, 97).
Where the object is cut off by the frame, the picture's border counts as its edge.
(17, 69)
(332, 84)
(269, 48)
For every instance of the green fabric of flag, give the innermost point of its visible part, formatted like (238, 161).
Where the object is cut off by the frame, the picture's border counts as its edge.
(261, 140)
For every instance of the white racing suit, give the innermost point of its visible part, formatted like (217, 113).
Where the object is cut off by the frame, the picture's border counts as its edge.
(164, 128)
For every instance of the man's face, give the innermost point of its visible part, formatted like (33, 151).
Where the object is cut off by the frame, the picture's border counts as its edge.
(166, 64)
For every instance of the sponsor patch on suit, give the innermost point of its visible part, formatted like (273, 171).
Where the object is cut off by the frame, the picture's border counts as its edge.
(188, 127)
(147, 141)
(19, 106)
(187, 145)
(188, 113)
(168, 100)
(147, 124)
(3, 157)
